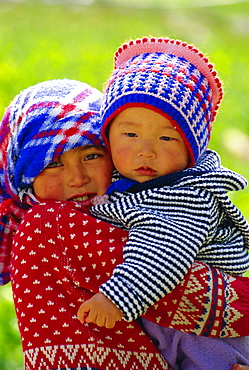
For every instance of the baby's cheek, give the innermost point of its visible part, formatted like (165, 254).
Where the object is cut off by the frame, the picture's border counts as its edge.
(122, 157)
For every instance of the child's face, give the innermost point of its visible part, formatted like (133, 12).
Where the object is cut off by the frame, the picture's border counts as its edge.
(145, 145)
(79, 175)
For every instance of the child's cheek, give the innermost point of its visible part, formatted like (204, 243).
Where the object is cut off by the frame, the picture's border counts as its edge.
(45, 188)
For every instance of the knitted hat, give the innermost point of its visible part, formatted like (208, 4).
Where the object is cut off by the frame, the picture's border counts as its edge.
(40, 124)
(173, 79)
(43, 122)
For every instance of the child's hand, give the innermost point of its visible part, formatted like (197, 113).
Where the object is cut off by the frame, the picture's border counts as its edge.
(99, 310)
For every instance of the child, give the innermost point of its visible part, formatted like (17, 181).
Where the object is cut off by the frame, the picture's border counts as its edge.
(41, 123)
(51, 148)
(158, 110)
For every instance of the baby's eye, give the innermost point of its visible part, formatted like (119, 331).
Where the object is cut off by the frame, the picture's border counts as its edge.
(89, 157)
(166, 138)
(54, 164)
(131, 134)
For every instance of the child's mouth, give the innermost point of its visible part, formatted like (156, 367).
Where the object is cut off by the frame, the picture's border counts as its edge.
(82, 198)
(146, 171)
(85, 199)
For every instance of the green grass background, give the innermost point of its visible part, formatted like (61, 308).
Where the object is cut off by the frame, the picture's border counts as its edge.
(40, 41)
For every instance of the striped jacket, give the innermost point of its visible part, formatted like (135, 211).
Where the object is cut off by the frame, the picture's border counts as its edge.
(172, 221)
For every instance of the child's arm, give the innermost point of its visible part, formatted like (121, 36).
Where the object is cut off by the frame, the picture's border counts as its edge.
(99, 310)
(163, 244)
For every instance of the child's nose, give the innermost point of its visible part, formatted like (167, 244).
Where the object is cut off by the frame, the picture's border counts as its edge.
(146, 149)
(77, 176)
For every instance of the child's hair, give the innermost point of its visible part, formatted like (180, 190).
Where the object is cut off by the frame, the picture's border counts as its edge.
(42, 122)
(171, 78)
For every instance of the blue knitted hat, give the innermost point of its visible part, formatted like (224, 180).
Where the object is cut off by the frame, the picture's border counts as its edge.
(171, 78)
(41, 123)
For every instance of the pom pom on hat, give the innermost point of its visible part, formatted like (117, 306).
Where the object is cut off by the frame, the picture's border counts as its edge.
(171, 77)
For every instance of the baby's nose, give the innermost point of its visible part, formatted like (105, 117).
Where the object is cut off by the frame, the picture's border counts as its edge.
(146, 149)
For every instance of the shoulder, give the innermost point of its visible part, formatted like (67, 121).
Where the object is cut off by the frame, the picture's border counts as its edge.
(54, 212)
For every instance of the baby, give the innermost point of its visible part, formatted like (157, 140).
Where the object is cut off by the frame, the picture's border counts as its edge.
(158, 110)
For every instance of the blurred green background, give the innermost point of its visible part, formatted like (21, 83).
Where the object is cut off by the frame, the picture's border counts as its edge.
(77, 39)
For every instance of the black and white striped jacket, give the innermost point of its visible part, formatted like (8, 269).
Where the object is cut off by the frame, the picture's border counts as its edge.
(172, 221)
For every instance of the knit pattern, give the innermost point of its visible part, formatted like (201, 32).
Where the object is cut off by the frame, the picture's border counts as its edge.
(51, 278)
(41, 123)
(171, 78)
(211, 304)
(169, 228)
(61, 256)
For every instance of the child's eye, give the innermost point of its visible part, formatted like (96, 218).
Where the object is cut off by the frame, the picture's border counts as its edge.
(131, 134)
(166, 138)
(89, 157)
(54, 165)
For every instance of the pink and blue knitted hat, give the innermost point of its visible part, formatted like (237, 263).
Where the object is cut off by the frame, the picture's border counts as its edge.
(171, 78)
(43, 122)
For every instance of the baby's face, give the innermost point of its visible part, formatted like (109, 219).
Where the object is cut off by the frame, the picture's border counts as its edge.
(79, 175)
(145, 145)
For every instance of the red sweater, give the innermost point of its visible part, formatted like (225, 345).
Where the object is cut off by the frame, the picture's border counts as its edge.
(48, 287)
(60, 256)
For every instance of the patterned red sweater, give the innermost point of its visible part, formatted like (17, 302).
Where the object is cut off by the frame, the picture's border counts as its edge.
(61, 255)
(48, 264)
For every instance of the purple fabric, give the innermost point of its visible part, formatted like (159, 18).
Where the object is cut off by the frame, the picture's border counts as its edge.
(185, 351)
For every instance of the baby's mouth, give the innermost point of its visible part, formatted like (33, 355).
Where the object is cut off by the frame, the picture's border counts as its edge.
(146, 171)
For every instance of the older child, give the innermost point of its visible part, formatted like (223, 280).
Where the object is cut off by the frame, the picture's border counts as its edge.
(51, 148)
(159, 106)
(41, 123)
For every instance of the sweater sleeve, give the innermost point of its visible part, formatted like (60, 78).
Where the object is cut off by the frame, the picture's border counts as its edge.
(163, 243)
